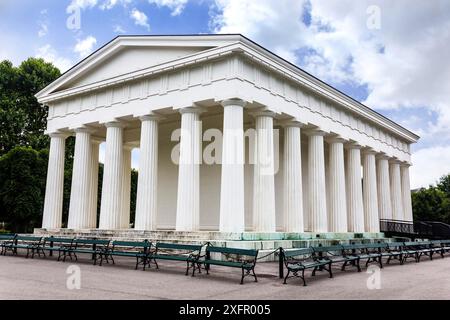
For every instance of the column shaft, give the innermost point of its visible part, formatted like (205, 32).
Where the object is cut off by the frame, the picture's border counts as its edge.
(384, 188)
(406, 193)
(111, 204)
(354, 191)
(80, 202)
(93, 185)
(371, 220)
(396, 191)
(316, 181)
(147, 194)
(188, 197)
(54, 188)
(293, 201)
(232, 179)
(337, 205)
(264, 181)
(126, 188)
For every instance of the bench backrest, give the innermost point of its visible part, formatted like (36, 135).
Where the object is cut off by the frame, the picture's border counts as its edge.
(297, 252)
(58, 240)
(132, 244)
(28, 238)
(395, 245)
(417, 243)
(7, 237)
(178, 246)
(91, 242)
(322, 249)
(238, 251)
(444, 242)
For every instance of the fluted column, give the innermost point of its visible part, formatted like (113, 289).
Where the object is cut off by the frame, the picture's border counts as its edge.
(354, 189)
(126, 187)
(263, 176)
(396, 190)
(337, 202)
(93, 193)
(371, 219)
(232, 179)
(79, 207)
(316, 182)
(292, 192)
(383, 188)
(54, 188)
(111, 204)
(406, 192)
(188, 197)
(147, 192)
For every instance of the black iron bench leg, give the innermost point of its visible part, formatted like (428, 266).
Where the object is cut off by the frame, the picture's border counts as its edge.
(242, 278)
(253, 271)
(314, 271)
(199, 267)
(358, 266)
(303, 277)
(343, 266)
(380, 260)
(187, 269)
(287, 275)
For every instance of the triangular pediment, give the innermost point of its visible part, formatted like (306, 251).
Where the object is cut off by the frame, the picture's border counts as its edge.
(128, 54)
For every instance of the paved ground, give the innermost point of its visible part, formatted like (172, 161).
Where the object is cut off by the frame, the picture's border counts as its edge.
(37, 278)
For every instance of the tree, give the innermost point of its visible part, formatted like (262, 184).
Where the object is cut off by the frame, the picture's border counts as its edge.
(431, 204)
(22, 118)
(22, 188)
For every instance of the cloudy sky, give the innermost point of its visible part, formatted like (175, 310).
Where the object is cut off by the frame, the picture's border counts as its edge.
(391, 55)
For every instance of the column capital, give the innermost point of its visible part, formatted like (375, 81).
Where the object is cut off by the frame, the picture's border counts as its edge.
(382, 156)
(290, 123)
(114, 124)
(193, 109)
(394, 161)
(262, 113)
(315, 132)
(83, 129)
(352, 145)
(405, 164)
(335, 138)
(151, 117)
(58, 134)
(233, 102)
(368, 150)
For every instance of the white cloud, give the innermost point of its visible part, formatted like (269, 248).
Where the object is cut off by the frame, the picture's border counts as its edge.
(80, 4)
(402, 64)
(436, 160)
(85, 46)
(139, 18)
(119, 29)
(109, 4)
(49, 54)
(43, 24)
(176, 6)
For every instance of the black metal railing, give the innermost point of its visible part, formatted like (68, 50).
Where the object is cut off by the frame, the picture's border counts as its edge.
(418, 229)
(397, 227)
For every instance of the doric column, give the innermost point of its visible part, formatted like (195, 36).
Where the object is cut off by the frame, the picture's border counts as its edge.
(371, 220)
(292, 192)
(316, 182)
(188, 197)
(384, 188)
(126, 187)
(396, 190)
(337, 202)
(232, 180)
(406, 192)
(111, 204)
(263, 176)
(54, 189)
(93, 193)
(354, 189)
(147, 192)
(80, 201)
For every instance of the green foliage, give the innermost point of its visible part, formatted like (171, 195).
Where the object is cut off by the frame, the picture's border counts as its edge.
(22, 176)
(22, 118)
(433, 203)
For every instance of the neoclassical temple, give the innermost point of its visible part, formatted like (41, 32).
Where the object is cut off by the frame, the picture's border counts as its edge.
(322, 161)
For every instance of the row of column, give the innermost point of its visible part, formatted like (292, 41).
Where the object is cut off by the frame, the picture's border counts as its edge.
(346, 199)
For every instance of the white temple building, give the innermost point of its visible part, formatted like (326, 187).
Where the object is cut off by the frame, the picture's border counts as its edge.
(294, 154)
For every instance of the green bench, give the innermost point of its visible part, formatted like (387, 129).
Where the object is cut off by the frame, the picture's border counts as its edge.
(135, 249)
(188, 253)
(413, 249)
(6, 240)
(244, 259)
(97, 248)
(299, 260)
(29, 243)
(337, 255)
(371, 252)
(55, 244)
(393, 251)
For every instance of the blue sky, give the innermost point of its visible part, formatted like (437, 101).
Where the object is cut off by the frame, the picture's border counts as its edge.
(390, 55)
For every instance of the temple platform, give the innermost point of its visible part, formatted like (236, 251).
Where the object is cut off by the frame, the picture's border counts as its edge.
(265, 242)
